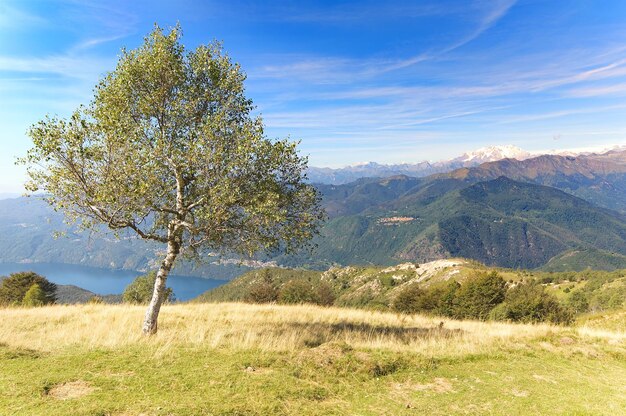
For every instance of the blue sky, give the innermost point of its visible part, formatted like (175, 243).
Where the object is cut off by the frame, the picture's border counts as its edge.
(385, 81)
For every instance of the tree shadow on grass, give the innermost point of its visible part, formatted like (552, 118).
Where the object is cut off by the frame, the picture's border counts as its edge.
(317, 333)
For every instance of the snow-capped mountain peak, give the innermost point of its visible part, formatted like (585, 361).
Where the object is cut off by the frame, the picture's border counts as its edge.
(493, 153)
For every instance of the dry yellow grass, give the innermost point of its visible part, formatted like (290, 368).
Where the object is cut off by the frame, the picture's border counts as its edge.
(269, 328)
(234, 358)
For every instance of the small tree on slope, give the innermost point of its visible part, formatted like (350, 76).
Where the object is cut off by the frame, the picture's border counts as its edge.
(168, 148)
(35, 296)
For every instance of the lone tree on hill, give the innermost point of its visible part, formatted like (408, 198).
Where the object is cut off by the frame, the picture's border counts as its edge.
(169, 149)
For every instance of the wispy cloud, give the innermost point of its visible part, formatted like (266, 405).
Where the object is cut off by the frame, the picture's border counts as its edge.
(618, 89)
(78, 67)
(494, 11)
(562, 113)
(328, 70)
(14, 18)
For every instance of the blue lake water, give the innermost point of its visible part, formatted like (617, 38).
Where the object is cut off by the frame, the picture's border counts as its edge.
(105, 282)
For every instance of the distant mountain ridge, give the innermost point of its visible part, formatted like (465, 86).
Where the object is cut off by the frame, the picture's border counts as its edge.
(339, 176)
(493, 153)
(598, 178)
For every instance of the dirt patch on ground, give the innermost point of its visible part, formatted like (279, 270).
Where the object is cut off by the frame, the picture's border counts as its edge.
(519, 393)
(257, 370)
(326, 354)
(70, 390)
(543, 378)
(439, 385)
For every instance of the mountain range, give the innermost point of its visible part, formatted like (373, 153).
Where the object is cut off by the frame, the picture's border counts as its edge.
(470, 159)
(552, 211)
(499, 222)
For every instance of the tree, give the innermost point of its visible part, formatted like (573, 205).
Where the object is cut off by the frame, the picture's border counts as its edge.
(297, 291)
(434, 299)
(479, 295)
(14, 288)
(140, 290)
(578, 302)
(408, 300)
(169, 149)
(34, 296)
(529, 302)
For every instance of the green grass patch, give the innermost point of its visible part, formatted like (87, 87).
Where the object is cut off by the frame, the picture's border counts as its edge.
(332, 379)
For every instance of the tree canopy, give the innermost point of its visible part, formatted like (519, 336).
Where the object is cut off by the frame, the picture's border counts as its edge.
(14, 288)
(139, 291)
(170, 149)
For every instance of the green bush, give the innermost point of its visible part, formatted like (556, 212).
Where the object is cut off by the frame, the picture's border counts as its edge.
(435, 299)
(447, 305)
(409, 299)
(529, 302)
(14, 288)
(479, 295)
(141, 289)
(578, 302)
(34, 296)
(297, 291)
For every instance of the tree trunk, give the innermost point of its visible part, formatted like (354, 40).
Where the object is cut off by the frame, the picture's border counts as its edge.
(152, 314)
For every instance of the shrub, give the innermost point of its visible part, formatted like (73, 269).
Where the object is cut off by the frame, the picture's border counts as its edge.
(141, 289)
(14, 288)
(325, 294)
(479, 295)
(448, 295)
(297, 291)
(34, 296)
(409, 299)
(264, 291)
(529, 302)
(435, 299)
(578, 302)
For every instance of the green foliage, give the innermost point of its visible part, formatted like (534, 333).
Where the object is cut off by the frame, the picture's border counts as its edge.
(438, 299)
(448, 292)
(170, 135)
(14, 288)
(578, 302)
(409, 300)
(297, 291)
(140, 290)
(529, 302)
(35, 296)
(440, 294)
(479, 295)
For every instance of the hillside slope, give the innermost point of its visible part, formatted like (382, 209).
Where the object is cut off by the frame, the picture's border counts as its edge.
(500, 222)
(376, 287)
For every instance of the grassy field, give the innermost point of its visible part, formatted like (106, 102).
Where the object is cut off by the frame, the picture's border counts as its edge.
(239, 359)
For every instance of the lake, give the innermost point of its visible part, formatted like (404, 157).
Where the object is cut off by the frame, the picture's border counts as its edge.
(105, 282)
